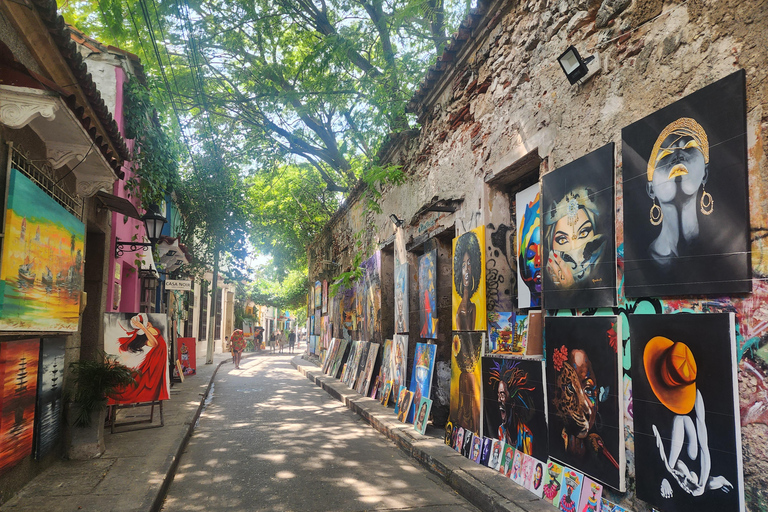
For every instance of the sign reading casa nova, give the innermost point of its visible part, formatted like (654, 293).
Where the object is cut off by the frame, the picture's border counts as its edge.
(175, 284)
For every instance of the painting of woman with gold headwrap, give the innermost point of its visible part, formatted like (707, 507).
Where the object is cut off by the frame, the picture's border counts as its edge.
(578, 249)
(686, 221)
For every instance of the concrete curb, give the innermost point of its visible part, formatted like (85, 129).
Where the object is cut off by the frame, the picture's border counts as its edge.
(155, 503)
(484, 488)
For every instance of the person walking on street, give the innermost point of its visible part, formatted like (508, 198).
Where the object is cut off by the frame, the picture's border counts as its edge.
(237, 342)
(281, 341)
(291, 341)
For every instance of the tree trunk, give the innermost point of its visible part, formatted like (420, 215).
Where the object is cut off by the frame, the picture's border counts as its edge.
(212, 310)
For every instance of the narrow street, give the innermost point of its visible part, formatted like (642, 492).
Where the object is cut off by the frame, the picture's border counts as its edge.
(271, 440)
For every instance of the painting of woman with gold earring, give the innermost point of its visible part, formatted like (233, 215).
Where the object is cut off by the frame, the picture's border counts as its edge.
(686, 222)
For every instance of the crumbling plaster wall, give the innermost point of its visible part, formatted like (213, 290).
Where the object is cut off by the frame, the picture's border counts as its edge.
(506, 97)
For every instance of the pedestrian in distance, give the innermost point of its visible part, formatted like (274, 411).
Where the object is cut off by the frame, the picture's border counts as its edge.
(291, 341)
(281, 341)
(228, 346)
(237, 342)
(272, 342)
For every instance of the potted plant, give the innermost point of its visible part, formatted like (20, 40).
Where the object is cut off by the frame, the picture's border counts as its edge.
(93, 382)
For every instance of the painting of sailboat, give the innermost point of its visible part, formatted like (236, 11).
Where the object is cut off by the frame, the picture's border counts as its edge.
(49, 396)
(41, 277)
(18, 378)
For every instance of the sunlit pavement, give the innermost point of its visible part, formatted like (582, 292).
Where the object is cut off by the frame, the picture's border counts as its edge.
(271, 440)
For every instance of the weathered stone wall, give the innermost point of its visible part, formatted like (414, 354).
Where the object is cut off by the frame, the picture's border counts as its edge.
(503, 113)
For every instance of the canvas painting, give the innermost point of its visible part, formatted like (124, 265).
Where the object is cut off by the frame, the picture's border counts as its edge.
(688, 453)
(137, 340)
(466, 380)
(554, 479)
(466, 449)
(421, 376)
(386, 363)
(586, 419)
(386, 393)
(448, 433)
(399, 360)
(368, 300)
(428, 294)
(485, 457)
(401, 296)
(353, 363)
(477, 448)
(187, 353)
(348, 361)
(318, 325)
(514, 407)
(325, 297)
(404, 404)
(528, 216)
(49, 396)
(338, 359)
(497, 450)
(422, 416)
(365, 347)
(505, 468)
(330, 355)
(520, 341)
(517, 468)
(468, 291)
(458, 439)
(609, 506)
(591, 495)
(536, 484)
(527, 470)
(577, 217)
(318, 295)
(41, 277)
(570, 492)
(347, 312)
(534, 341)
(501, 333)
(686, 208)
(312, 344)
(367, 373)
(18, 369)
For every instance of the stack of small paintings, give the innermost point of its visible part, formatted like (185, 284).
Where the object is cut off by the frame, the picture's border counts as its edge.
(421, 376)
(583, 386)
(469, 281)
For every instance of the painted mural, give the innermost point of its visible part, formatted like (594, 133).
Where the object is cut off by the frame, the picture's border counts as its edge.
(528, 215)
(421, 376)
(137, 340)
(586, 421)
(578, 244)
(41, 277)
(49, 397)
(428, 294)
(401, 296)
(687, 429)
(514, 408)
(18, 370)
(466, 381)
(468, 290)
(686, 210)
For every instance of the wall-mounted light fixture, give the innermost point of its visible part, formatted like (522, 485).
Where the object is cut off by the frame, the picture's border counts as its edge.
(576, 68)
(397, 222)
(153, 224)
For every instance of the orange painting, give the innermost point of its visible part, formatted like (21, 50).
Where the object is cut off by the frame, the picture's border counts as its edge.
(18, 374)
(42, 265)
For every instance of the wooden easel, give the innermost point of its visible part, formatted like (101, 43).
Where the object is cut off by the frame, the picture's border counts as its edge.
(146, 423)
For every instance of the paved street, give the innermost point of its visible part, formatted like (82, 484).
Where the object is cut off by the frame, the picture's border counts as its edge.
(271, 440)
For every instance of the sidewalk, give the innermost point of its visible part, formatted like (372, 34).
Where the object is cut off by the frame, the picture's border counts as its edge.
(484, 488)
(137, 467)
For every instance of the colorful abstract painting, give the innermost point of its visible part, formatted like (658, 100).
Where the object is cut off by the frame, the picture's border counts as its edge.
(514, 408)
(41, 277)
(501, 333)
(18, 370)
(577, 217)
(468, 290)
(368, 301)
(428, 294)
(421, 376)
(49, 396)
(399, 360)
(528, 216)
(586, 419)
(401, 296)
(137, 340)
(686, 207)
(466, 380)
(688, 453)
(422, 416)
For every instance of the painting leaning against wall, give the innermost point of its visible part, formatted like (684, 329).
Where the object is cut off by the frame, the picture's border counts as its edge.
(468, 290)
(18, 371)
(428, 294)
(50, 396)
(43, 254)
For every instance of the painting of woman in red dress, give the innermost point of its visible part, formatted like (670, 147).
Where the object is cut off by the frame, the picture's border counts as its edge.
(142, 342)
